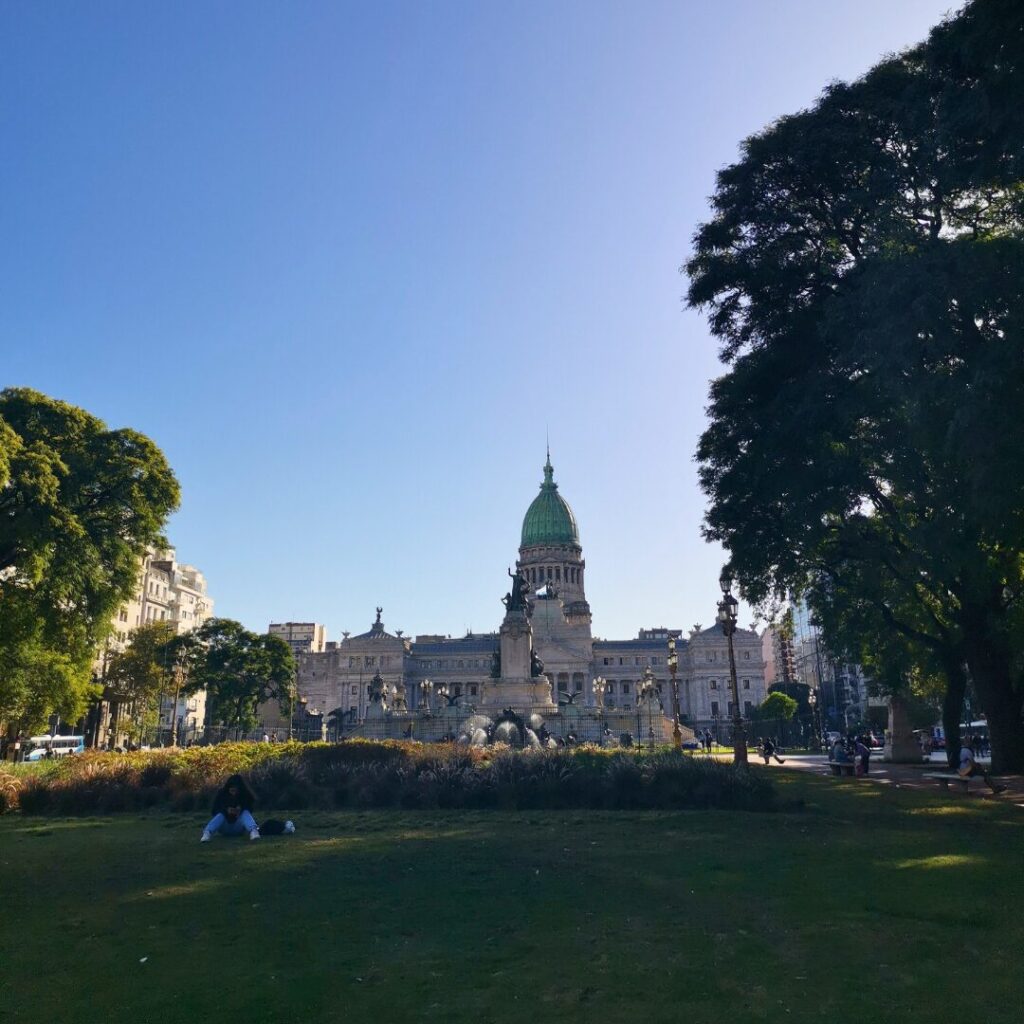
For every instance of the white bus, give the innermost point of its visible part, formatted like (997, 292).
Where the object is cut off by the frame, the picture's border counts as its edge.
(39, 747)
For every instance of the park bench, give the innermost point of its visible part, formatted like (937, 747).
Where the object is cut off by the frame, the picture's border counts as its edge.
(843, 767)
(945, 778)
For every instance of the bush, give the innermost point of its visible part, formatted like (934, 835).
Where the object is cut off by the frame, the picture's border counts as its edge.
(365, 774)
(10, 787)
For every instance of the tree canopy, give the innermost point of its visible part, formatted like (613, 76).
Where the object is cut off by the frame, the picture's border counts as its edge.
(79, 505)
(238, 669)
(864, 271)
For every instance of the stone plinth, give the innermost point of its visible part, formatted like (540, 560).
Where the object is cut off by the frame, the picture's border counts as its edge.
(526, 693)
(900, 742)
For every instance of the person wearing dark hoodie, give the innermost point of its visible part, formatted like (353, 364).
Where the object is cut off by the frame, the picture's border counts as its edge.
(232, 811)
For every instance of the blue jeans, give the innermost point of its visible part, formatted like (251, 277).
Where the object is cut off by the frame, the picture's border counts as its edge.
(242, 825)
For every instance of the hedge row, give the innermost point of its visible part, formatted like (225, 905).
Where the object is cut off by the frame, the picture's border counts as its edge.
(367, 774)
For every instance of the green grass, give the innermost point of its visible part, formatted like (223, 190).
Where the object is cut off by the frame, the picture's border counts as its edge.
(866, 904)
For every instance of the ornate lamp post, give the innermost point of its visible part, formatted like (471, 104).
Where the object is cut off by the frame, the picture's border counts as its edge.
(598, 686)
(812, 700)
(427, 689)
(645, 692)
(728, 609)
(673, 667)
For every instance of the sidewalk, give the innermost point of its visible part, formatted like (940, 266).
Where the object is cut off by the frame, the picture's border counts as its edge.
(909, 776)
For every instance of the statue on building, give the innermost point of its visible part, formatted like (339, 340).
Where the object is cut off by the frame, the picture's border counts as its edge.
(376, 690)
(519, 597)
(536, 665)
(496, 663)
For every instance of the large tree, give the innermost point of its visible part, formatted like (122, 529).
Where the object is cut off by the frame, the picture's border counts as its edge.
(137, 676)
(864, 271)
(238, 669)
(79, 505)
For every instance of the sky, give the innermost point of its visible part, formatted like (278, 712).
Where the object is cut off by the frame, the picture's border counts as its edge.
(350, 264)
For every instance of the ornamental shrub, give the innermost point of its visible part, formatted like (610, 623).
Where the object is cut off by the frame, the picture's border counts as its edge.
(371, 774)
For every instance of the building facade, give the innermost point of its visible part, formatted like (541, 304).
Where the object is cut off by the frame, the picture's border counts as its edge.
(442, 669)
(301, 637)
(167, 591)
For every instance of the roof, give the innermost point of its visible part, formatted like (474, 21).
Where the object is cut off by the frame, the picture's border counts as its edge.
(637, 645)
(376, 631)
(549, 519)
(476, 644)
(716, 631)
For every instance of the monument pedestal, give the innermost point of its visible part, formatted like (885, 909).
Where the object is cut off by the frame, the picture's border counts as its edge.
(517, 687)
(900, 743)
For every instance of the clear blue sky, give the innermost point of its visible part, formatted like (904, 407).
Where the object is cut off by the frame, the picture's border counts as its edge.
(346, 263)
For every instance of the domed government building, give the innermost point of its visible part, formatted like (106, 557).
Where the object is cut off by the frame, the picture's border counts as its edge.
(350, 680)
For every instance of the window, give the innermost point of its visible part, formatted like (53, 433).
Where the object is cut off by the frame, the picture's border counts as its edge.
(747, 707)
(354, 691)
(608, 661)
(460, 664)
(661, 687)
(622, 661)
(746, 684)
(458, 690)
(638, 660)
(472, 689)
(713, 684)
(625, 688)
(730, 709)
(746, 655)
(655, 660)
(353, 662)
(558, 574)
(714, 709)
(369, 661)
(611, 686)
(711, 655)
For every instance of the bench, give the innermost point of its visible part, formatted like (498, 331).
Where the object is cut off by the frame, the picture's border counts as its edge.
(945, 778)
(843, 767)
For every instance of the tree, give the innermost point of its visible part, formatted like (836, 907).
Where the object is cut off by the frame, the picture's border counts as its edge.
(799, 693)
(775, 707)
(79, 505)
(238, 669)
(864, 271)
(139, 675)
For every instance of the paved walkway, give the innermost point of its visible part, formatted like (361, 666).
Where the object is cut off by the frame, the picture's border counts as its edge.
(910, 776)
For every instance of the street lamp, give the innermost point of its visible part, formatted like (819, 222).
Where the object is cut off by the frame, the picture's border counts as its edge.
(598, 686)
(728, 612)
(645, 691)
(427, 689)
(812, 700)
(673, 667)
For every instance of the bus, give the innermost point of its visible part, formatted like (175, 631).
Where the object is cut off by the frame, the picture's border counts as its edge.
(38, 748)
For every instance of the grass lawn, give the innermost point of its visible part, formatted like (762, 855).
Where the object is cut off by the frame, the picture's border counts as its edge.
(867, 904)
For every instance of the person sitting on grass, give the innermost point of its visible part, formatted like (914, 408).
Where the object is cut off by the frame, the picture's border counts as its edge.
(969, 767)
(232, 811)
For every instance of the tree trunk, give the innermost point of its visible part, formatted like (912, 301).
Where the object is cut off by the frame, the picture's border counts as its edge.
(1002, 703)
(952, 710)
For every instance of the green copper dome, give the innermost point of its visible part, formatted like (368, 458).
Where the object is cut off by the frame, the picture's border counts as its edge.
(549, 520)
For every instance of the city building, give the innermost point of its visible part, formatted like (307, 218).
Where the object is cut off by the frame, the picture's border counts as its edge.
(336, 680)
(167, 591)
(301, 637)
